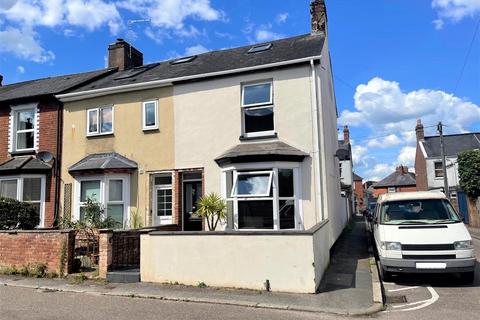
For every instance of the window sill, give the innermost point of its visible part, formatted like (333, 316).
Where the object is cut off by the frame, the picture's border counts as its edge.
(23, 152)
(100, 135)
(148, 130)
(268, 136)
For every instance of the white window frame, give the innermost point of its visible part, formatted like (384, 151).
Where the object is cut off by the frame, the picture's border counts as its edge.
(15, 110)
(20, 179)
(103, 196)
(391, 189)
(156, 187)
(99, 122)
(251, 173)
(271, 166)
(435, 170)
(144, 114)
(256, 106)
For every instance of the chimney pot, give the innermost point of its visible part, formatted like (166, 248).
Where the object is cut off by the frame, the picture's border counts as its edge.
(318, 15)
(123, 56)
(346, 134)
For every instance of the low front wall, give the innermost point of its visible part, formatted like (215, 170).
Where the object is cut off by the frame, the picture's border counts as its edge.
(291, 261)
(22, 247)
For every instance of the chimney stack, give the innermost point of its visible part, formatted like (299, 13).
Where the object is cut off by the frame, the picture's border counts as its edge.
(402, 169)
(346, 135)
(318, 14)
(123, 56)
(1, 79)
(419, 131)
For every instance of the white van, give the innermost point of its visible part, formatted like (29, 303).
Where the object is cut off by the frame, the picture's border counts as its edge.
(421, 232)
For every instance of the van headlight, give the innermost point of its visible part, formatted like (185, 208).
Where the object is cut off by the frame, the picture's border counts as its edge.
(462, 245)
(391, 246)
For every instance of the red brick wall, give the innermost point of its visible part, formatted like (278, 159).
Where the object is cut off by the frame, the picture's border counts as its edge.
(379, 191)
(420, 170)
(19, 248)
(47, 141)
(359, 194)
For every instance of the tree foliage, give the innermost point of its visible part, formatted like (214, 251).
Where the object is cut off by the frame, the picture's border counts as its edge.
(212, 208)
(469, 172)
(17, 215)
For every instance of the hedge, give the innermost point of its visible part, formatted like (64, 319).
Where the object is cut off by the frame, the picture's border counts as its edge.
(17, 215)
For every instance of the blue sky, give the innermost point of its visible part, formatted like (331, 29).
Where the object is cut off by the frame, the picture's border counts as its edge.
(394, 61)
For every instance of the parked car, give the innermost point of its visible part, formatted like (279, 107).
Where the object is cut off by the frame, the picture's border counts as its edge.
(421, 232)
(370, 213)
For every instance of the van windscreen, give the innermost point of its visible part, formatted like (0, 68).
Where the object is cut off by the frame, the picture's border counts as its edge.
(426, 211)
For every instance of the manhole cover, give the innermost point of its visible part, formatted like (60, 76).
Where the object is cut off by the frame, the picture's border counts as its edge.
(396, 299)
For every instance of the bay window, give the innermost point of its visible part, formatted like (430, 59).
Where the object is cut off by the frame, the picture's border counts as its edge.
(100, 121)
(26, 188)
(111, 192)
(257, 109)
(263, 199)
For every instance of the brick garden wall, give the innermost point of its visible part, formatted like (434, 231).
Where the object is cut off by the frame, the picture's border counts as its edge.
(19, 248)
(121, 249)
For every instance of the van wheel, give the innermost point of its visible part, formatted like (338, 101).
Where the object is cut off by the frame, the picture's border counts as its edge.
(467, 277)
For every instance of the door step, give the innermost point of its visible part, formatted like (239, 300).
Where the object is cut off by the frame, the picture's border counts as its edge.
(124, 276)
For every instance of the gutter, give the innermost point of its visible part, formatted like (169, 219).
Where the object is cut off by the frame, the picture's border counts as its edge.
(74, 96)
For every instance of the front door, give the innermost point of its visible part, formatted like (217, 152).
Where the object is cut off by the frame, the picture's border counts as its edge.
(162, 196)
(192, 191)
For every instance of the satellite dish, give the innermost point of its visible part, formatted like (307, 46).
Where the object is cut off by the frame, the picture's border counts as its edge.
(44, 156)
(342, 154)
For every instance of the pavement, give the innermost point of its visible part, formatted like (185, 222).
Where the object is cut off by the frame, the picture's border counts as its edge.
(346, 289)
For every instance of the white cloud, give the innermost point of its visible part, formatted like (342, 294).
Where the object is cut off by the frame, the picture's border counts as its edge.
(379, 171)
(21, 69)
(93, 14)
(171, 14)
(456, 10)
(24, 44)
(281, 17)
(358, 154)
(264, 34)
(438, 24)
(194, 50)
(384, 107)
(389, 141)
(407, 156)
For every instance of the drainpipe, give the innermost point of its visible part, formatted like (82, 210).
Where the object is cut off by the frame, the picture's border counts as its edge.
(319, 203)
(56, 209)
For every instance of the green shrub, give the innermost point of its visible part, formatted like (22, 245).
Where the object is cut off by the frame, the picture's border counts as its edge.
(37, 270)
(17, 215)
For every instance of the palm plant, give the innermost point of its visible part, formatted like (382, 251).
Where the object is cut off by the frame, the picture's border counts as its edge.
(213, 209)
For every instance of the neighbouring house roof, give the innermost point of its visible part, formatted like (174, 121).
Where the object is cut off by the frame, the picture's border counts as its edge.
(356, 177)
(48, 86)
(454, 144)
(24, 164)
(397, 179)
(288, 49)
(103, 161)
(264, 151)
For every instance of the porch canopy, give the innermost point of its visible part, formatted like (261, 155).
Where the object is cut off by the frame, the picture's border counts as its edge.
(24, 164)
(263, 151)
(103, 162)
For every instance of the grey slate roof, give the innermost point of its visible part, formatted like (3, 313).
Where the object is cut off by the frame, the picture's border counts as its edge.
(103, 161)
(282, 50)
(24, 163)
(397, 179)
(454, 144)
(48, 86)
(356, 177)
(263, 151)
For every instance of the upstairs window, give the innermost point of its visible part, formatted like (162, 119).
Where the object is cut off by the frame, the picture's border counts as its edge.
(438, 169)
(24, 129)
(100, 121)
(257, 109)
(150, 115)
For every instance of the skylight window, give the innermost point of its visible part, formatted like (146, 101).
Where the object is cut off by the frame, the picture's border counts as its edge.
(183, 60)
(135, 71)
(260, 48)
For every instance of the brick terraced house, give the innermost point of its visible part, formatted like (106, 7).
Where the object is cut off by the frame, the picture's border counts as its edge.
(30, 140)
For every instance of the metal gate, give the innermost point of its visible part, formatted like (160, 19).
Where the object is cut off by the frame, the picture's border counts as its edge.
(463, 205)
